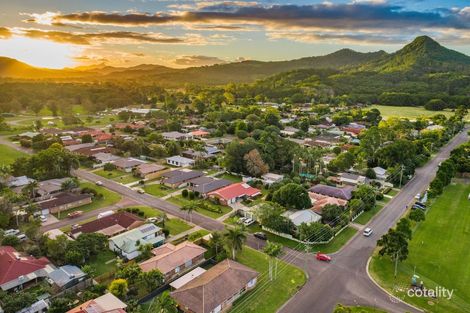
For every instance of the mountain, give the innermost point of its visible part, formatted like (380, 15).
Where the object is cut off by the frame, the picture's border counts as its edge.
(246, 71)
(422, 55)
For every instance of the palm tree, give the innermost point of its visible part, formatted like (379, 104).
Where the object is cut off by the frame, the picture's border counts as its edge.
(273, 250)
(235, 238)
(189, 208)
(217, 242)
(30, 188)
(164, 304)
(70, 184)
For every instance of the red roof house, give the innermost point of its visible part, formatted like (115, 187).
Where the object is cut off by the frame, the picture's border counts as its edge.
(234, 192)
(18, 270)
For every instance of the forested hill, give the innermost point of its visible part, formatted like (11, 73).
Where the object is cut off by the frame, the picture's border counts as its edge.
(246, 71)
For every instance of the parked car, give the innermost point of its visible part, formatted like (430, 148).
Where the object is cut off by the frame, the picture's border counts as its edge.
(21, 237)
(420, 204)
(105, 213)
(418, 196)
(139, 190)
(248, 222)
(43, 218)
(75, 214)
(99, 183)
(11, 232)
(322, 257)
(260, 235)
(415, 206)
(367, 232)
(75, 226)
(242, 220)
(154, 219)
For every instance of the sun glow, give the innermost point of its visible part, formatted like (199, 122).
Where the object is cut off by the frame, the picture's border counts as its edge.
(40, 53)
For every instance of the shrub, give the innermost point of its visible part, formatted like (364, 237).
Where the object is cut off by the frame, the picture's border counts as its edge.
(109, 167)
(191, 195)
(184, 193)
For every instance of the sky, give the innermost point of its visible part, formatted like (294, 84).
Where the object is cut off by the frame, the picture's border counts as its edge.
(69, 33)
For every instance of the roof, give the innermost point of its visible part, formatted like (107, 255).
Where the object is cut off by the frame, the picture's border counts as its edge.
(106, 157)
(199, 133)
(148, 168)
(19, 181)
(127, 163)
(353, 177)
(178, 176)
(218, 284)
(236, 190)
(106, 303)
(127, 241)
(319, 201)
(54, 233)
(180, 159)
(174, 135)
(13, 264)
(51, 185)
(272, 177)
(124, 219)
(344, 193)
(65, 274)
(209, 186)
(80, 146)
(379, 170)
(183, 280)
(304, 216)
(63, 198)
(168, 257)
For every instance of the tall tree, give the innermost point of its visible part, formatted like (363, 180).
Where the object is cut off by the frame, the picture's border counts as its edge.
(235, 238)
(395, 245)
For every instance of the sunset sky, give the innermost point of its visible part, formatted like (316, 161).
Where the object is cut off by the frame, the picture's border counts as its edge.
(61, 33)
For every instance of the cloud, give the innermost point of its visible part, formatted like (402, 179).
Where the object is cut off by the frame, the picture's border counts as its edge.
(364, 15)
(5, 33)
(197, 60)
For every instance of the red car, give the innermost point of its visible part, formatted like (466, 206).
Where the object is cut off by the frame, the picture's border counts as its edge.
(323, 257)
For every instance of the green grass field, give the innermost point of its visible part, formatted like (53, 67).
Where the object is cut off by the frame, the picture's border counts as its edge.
(109, 174)
(158, 190)
(8, 155)
(338, 242)
(407, 112)
(438, 253)
(365, 217)
(359, 309)
(179, 200)
(267, 297)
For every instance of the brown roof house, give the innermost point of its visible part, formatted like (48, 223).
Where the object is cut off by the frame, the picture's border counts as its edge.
(150, 170)
(64, 201)
(110, 225)
(173, 261)
(216, 289)
(179, 178)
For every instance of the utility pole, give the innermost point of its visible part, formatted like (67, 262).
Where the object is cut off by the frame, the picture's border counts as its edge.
(401, 174)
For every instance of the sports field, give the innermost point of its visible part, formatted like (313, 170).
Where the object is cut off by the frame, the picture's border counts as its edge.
(408, 112)
(438, 253)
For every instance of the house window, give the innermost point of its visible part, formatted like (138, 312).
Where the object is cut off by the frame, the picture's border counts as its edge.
(177, 269)
(188, 263)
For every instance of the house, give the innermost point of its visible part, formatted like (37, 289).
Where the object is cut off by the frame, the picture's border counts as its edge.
(28, 135)
(79, 146)
(66, 276)
(179, 178)
(234, 193)
(302, 216)
(320, 201)
(107, 303)
(18, 271)
(380, 173)
(64, 201)
(150, 170)
(216, 289)
(127, 164)
(289, 131)
(40, 306)
(271, 178)
(199, 133)
(127, 244)
(103, 158)
(48, 188)
(172, 261)
(352, 179)
(110, 225)
(176, 136)
(344, 193)
(179, 161)
(208, 153)
(20, 181)
(205, 184)
(186, 278)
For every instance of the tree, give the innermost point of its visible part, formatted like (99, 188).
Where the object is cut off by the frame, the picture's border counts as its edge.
(164, 304)
(342, 162)
(355, 206)
(367, 194)
(119, 288)
(152, 279)
(273, 250)
(395, 245)
(417, 215)
(145, 251)
(255, 164)
(331, 212)
(87, 138)
(130, 272)
(70, 184)
(189, 208)
(10, 240)
(60, 305)
(315, 232)
(435, 105)
(234, 238)
(370, 173)
(404, 227)
(217, 242)
(292, 196)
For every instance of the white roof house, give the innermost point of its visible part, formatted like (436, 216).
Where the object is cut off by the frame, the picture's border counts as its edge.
(127, 244)
(271, 178)
(174, 135)
(179, 161)
(303, 216)
(380, 173)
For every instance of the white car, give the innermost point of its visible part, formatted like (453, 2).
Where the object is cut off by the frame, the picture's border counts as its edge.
(248, 222)
(43, 218)
(11, 232)
(367, 232)
(99, 183)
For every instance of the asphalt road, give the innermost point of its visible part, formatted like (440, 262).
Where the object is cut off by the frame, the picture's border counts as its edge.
(345, 279)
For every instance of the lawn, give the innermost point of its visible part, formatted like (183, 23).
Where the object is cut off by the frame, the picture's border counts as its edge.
(337, 243)
(365, 217)
(109, 198)
(267, 297)
(101, 263)
(126, 179)
(438, 253)
(8, 155)
(407, 112)
(233, 178)
(109, 174)
(158, 190)
(362, 309)
(179, 200)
